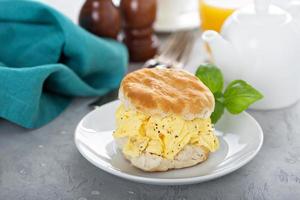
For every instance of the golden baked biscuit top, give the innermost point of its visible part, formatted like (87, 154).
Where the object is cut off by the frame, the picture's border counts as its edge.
(167, 91)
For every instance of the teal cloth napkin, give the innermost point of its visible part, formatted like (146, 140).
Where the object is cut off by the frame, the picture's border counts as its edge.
(45, 60)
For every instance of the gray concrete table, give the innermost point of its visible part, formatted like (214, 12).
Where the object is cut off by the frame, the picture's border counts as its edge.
(44, 164)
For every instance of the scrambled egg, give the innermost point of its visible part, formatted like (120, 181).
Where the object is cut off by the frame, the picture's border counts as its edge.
(163, 136)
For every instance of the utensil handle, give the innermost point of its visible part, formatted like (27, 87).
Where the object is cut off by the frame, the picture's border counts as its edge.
(152, 63)
(111, 96)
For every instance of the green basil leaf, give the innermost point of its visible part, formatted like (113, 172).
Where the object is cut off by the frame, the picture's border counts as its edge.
(239, 95)
(211, 76)
(219, 96)
(218, 112)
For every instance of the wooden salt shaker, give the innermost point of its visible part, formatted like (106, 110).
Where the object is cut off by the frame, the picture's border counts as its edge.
(100, 17)
(138, 17)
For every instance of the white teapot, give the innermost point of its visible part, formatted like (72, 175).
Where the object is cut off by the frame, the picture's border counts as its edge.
(261, 44)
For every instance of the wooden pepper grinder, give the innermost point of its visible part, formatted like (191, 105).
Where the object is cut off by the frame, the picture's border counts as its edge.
(100, 17)
(138, 17)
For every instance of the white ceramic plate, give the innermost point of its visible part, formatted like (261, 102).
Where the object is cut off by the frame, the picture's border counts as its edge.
(240, 136)
(184, 21)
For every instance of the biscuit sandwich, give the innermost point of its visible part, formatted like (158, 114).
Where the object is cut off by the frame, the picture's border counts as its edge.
(163, 121)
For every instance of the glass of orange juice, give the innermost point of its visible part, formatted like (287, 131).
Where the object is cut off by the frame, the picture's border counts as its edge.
(213, 13)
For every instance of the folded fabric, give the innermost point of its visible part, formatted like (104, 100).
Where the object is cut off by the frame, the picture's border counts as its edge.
(45, 60)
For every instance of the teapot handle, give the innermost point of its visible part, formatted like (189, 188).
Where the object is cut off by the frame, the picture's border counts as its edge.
(294, 8)
(262, 6)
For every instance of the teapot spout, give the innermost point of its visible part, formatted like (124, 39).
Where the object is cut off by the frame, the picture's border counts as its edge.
(221, 50)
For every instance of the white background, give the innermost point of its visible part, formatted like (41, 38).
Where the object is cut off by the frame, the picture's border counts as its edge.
(71, 7)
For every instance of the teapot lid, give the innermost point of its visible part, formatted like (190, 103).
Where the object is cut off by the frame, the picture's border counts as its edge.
(262, 13)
